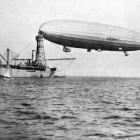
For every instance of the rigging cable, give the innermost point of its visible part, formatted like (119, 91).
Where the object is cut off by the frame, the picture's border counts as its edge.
(72, 59)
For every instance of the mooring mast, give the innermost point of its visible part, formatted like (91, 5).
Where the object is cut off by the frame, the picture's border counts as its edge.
(40, 54)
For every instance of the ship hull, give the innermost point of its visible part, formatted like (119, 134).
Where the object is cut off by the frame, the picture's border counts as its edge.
(34, 74)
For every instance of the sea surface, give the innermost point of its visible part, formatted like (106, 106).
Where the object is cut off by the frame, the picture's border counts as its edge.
(77, 108)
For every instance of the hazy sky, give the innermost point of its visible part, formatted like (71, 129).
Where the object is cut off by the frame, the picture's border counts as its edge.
(20, 21)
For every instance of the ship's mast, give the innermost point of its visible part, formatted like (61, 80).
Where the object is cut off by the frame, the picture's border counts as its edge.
(8, 57)
(40, 54)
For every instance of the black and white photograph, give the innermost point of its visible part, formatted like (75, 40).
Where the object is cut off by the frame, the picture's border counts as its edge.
(69, 70)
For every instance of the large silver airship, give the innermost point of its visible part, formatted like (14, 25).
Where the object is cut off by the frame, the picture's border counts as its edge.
(88, 35)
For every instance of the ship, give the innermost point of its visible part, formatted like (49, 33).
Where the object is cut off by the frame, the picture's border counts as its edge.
(35, 67)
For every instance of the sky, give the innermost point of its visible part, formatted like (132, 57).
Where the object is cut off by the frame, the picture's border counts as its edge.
(20, 21)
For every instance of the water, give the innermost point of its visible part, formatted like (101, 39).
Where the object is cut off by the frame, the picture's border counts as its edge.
(70, 109)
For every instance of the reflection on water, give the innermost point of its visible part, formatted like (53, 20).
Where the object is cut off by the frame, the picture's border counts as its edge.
(70, 108)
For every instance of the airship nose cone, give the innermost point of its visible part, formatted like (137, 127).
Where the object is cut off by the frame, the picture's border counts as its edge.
(48, 27)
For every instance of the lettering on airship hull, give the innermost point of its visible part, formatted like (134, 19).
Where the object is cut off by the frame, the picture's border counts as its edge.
(113, 39)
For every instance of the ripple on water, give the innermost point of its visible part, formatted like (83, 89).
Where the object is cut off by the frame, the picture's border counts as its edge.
(70, 108)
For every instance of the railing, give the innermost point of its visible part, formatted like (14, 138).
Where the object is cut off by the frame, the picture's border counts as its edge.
(24, 67)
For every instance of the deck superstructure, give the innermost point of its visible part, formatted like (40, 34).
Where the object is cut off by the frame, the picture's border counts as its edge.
(30, 67)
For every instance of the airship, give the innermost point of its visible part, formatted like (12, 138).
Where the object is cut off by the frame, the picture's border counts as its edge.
(90, 36)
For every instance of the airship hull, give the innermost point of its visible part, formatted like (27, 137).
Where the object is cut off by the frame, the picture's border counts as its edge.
(90, 36)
